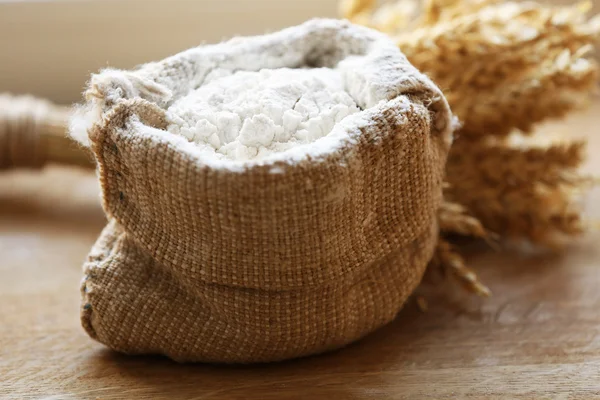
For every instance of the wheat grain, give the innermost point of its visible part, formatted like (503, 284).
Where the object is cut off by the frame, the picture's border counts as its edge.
(504, 67)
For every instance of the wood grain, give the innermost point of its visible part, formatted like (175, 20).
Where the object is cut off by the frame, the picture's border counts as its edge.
(537, 338)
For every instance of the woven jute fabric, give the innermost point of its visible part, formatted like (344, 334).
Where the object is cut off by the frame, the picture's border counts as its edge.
(268, 260)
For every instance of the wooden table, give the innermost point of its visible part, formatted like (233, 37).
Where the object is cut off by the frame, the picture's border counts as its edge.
(538, 337)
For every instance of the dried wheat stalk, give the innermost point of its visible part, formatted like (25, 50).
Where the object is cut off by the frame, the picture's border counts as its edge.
(504, 67)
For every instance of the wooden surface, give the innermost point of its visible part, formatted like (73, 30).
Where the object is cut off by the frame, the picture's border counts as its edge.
(537, 338)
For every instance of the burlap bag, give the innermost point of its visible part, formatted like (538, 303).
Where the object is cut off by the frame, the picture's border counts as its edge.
(300, 253)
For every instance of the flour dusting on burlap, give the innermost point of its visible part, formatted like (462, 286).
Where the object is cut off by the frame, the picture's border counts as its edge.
(298, 252)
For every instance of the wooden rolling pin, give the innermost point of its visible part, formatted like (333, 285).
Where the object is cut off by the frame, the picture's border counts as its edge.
(33, 133)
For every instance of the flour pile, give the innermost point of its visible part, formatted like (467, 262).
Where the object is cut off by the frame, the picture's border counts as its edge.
(249, 115)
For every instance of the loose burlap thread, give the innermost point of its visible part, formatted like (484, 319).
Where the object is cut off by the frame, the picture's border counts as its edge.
(268, 260)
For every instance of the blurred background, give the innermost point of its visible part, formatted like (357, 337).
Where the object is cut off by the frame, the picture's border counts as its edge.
(50, 47)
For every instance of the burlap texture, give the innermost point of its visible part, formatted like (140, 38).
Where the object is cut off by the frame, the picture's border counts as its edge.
(268, 260)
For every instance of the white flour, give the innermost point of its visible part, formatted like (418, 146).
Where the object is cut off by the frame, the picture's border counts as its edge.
(249, 115)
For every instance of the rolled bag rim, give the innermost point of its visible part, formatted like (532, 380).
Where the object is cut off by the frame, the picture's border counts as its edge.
(127, 121)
